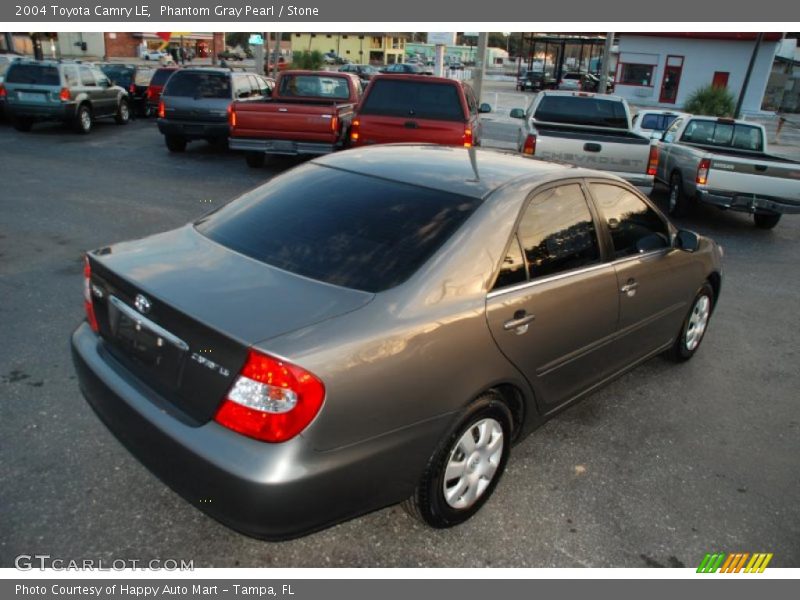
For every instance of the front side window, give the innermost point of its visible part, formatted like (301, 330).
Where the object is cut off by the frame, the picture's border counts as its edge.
(557, 232)
(635, 227)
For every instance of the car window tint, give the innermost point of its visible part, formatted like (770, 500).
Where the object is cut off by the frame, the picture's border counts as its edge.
(36, 74)
(119, 74)
(315, 86)
(557, 232)
(512, 271)
(582, 110)
(423, 100)
(161, 76)
(195, 84)
(87, 77)
(634, 226)
(340, 227)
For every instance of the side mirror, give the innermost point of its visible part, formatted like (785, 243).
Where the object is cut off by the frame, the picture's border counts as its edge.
(687, 241)
(517, 113)
(485, 108)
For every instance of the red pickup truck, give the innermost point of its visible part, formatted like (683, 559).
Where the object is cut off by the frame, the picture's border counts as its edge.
(419, 109)
(309, 113)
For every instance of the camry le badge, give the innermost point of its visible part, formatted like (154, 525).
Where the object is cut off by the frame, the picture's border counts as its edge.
(142, 304)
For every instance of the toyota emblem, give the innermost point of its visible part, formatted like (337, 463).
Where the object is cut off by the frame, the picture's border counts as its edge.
(142, 304)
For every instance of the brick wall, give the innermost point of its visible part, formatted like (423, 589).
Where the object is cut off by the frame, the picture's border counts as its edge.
(123, 45)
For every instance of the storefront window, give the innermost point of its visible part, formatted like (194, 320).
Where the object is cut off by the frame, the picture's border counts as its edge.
(633, 74)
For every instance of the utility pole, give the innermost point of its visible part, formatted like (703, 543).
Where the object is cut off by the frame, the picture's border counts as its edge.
(603, 85)
(259, 52)
(759, 39)
(480, 64)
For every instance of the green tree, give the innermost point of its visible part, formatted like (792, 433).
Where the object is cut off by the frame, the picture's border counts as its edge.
(311, 61)
(237, 38)
(711, 101)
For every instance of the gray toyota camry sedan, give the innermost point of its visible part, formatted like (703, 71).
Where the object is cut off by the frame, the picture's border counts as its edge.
(380, 326)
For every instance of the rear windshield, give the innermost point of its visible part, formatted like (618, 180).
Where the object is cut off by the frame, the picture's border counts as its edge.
(36, 74)
(657, 122)
(582, 110)
(194, 84)
(339, 227)
(120, 75)
(314, 86)
(725, 135)
(160, 76)
(422, 100)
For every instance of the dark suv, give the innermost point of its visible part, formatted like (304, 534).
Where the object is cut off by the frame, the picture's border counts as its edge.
(195, 101)
(135, 79)
(72, 92)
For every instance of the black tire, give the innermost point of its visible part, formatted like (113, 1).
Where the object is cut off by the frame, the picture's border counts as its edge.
(123, 115)
(83, 120)
(766, 221)
(428, 503)
(682, 350)
(175, 143)
(22, 123)
(678, 203)
(255, 160)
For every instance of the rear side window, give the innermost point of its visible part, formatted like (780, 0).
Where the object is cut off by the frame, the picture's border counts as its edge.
(70, 76)
(35, 74)
(657, 122)
(193, 84)
(582, 110)
(314, 86)
(634, 226)
(422, 100)
(161, 76)
(87, 77)
(339, 227)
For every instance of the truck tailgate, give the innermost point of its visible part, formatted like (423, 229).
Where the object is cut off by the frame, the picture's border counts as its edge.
(288, 121)
(755, 178)
(381, 129)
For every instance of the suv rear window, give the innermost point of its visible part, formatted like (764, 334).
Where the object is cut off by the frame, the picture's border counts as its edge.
(339, 227)
(422, 100)
(161, 75)
(119, 74)
(36, 74)
(199, 85)
(582, 110)
(314, 86)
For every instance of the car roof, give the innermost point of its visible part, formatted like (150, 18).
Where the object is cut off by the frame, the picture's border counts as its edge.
(473, 172)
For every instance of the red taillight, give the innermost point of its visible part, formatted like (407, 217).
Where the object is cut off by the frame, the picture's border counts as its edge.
(468, 139)
(231, 115)
(3, 92)
(87, 295)
(354, 130)
(271, 400)
(652, 161)
(161, 110)
(702, 171)
(150, 93)
(64, 95)
(530, 145)
(132, 89)
(334, 123)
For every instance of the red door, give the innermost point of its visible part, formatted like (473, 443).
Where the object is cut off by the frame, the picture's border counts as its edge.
(671, 80)
(720, 79)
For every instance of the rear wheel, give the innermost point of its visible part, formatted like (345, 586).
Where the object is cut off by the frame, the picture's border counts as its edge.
(255, 160)
(123, 113)
(694, 325)
(22, 123)
(678, 203)
(766, 221)
(175, 143)
(83, 119)
(464, 471)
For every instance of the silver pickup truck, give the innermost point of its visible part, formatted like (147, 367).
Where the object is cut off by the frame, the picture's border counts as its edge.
(587, 130)
(724, 162)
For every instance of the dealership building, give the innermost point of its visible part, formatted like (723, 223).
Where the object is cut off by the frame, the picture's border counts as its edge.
(664, 69)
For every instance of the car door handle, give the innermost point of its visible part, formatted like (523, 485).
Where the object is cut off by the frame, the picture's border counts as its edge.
(519, 324)
(629, 288)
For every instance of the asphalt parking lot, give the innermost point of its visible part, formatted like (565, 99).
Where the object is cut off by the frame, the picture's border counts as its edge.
(664, 465)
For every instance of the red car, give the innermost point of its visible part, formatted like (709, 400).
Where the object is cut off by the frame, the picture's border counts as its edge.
(156, 86)
(419, 109)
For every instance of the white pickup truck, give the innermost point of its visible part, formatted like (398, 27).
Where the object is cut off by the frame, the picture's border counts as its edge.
(587, 130)
(724, 162)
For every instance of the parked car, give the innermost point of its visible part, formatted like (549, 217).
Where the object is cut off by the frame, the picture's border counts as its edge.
(364, 72)
(155, 55)
(587, 130)
(570, 81)
(404, 68)
(724, 162)
(156, 86)
(654, 122)
(299, 357)
(74, 93)
(308, 113)
(455, 65)
(591, 83)
(196, 101)
(535, 81)
(418, 108)
(135, 79)
(5, 61)
(229, 55)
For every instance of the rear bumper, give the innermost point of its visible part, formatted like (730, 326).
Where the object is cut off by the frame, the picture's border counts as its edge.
(194, 130)
(288, 147)
(748, 203)
(42, 112)
(269, 491)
